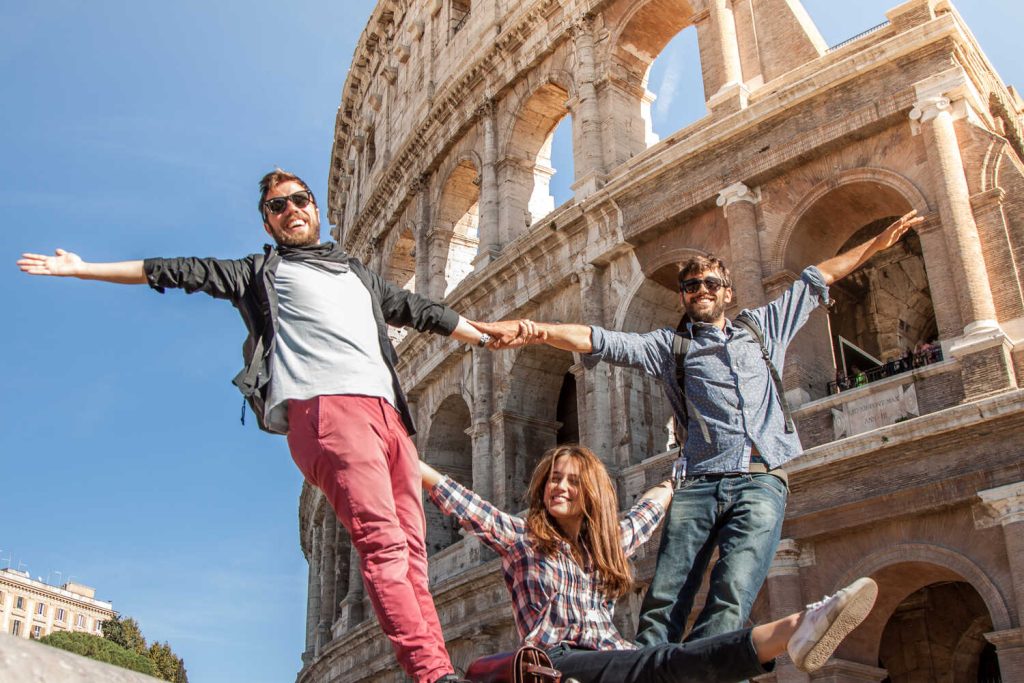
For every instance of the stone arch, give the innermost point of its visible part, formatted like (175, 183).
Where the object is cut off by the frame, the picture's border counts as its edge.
(652, 303)
(644, 31)
(936, 562)
(990, 165)
(891, 183)
(902, 571)
(449, 449)
(530, 414)
(525, 168)
(454, 240)
(875, 302)
(935, 633)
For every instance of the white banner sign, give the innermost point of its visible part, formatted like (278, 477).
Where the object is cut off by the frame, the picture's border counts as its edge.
(877, 409)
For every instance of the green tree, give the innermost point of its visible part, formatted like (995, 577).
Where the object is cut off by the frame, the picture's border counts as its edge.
(100, 649)
(126, 633)
(168, 666)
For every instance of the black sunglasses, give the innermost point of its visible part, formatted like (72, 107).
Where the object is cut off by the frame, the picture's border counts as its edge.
(278, 204)
(692, 286)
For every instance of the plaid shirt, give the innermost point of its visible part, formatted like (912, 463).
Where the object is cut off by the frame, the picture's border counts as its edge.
(554, 599)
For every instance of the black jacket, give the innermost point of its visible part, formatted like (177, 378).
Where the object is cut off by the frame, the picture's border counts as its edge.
(248, 283)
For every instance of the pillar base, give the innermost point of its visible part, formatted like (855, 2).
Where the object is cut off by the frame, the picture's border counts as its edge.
(730, 98)
(588, 184)
(1010, 650)
(485, 256)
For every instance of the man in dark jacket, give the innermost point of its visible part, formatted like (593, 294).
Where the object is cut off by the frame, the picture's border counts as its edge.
(319, 368)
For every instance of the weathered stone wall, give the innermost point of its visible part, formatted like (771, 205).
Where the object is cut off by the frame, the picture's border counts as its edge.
(440, 170)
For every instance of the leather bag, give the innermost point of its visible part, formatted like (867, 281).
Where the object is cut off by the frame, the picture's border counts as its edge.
(528, 664)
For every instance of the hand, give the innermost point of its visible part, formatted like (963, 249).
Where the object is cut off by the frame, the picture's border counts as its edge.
(892, 234)
(63, 264)
(510, 334)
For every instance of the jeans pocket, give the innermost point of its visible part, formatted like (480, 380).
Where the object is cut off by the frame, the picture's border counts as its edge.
(769, 482)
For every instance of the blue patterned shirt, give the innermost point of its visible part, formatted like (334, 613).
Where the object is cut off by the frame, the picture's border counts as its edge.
(554, 599)
(727, 380)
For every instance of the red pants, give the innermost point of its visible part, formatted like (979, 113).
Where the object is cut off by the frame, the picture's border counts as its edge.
(356, 450)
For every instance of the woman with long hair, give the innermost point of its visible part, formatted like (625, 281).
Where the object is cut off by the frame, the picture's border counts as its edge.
(566, 564)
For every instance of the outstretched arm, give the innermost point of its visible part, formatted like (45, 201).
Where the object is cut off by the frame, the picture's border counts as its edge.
(838, 267)
(431, 477)
(66, 264)
(662, 493)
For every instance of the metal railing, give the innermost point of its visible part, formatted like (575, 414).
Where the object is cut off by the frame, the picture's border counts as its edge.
(858, 36)
(890, 369)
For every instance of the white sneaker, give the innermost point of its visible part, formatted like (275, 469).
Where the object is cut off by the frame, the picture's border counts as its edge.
(826, 623)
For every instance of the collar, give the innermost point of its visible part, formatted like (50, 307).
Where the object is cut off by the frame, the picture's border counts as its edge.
(330, 251)
(693, 327)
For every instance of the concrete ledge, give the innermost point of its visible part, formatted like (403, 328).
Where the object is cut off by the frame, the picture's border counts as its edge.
(24, 661)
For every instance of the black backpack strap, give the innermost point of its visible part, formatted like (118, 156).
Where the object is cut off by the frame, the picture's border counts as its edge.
(680, 347)
(747, 322)
(246, 379)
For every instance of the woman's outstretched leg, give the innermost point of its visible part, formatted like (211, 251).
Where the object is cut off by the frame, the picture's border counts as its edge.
(813, 635)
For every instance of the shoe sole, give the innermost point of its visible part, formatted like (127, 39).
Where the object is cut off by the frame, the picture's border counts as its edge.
(856, 610)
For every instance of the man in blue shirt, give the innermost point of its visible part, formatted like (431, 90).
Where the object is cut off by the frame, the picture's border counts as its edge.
(732, 493)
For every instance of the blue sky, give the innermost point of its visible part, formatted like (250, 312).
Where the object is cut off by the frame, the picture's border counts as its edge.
(139, 128)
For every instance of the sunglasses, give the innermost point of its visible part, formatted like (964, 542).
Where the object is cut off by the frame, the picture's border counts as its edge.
(278, 204)
(693, 285)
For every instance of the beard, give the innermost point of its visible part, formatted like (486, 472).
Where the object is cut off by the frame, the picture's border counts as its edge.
(307, 238)
(706, 315)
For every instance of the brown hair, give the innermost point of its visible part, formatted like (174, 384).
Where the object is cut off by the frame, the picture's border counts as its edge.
(275, 178)
(702, 264)
(600, 531)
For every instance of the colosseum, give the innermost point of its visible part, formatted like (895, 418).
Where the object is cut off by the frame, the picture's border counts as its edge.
(912, 472)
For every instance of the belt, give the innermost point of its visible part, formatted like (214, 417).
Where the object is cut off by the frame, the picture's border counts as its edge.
(761, 468)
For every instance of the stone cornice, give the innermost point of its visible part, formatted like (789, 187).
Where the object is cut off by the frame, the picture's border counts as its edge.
(1003, 505)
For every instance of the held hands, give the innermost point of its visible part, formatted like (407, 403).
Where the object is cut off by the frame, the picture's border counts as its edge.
(511, 334)
(62, 264)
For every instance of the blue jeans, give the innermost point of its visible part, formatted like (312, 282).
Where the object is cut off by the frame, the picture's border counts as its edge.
(741, 515)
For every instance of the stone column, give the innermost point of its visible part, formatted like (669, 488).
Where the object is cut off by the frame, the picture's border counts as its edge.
(731, 94)
(1010, 650)
(313, 596)
(933, 111)
(738, 203)
(342, 569)
(438, 241)
(724, 24)
(1004, 506)
(328, 580)
(480, 431)
(352, 604)
(516, 182)
(784, 598)
(421, 186)
(490, 244)
(593, 389)
(936, 260)
(587, 133)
